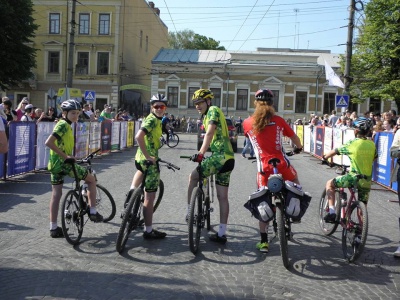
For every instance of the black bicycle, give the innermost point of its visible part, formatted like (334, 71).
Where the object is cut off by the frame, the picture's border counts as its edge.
(75, 203)
(173, 140)
(133, 211)
(199, 208)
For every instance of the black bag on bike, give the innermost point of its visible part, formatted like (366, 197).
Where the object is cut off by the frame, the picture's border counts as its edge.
(296, 200)
(260, 205)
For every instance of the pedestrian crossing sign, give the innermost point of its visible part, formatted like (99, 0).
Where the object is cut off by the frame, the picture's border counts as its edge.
(90, 95)
(342, 100)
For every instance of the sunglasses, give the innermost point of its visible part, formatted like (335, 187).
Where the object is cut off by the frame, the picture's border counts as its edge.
(159, 106)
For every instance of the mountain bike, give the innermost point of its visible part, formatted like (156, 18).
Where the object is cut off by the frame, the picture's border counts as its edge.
(75, 203)
(199, 208)
(351, 214)
(132, 215)
(173, 140)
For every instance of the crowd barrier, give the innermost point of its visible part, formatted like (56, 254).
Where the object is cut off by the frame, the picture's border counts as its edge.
(28, 152)
(319, 140)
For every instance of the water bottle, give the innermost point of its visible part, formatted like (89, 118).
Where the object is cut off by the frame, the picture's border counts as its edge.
(343, 198)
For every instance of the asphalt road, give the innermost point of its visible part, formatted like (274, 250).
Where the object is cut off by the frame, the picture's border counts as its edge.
(35, 266)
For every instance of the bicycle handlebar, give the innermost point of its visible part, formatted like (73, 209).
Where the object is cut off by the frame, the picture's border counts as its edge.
(169, 165)
(83, 160)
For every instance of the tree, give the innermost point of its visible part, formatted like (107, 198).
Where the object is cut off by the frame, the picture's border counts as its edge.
(187, 39)
(17, 29)
(376, 59)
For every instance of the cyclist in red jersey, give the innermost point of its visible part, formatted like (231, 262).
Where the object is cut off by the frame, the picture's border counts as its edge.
(265, 131)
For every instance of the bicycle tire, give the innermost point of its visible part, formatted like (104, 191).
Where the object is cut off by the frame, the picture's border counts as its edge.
(105, 203)
(283, 240)
(323, 209)
(159, 195)
(352, 249)
(71, 218)
(208, 213)
(195, 219)
(173, 140)
(130, 220)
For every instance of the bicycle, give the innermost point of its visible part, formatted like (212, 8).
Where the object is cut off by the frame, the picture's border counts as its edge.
(132, 215)
(75, 203)
(199, 208)
(173, 140)
(351, 214)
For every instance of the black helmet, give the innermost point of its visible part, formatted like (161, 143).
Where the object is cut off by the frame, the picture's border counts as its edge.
(158, 98)
(363, 124)
(70, 104)
(202, 94)
(265, 95)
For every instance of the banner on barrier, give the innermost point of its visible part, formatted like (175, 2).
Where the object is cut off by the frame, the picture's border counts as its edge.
(319, 141)
(337, 141)
(82, 130)
(383, 164)
(130, 135)
(105, 137)
(307, 139)
(95, 136)
(123, 128)
(115, 131)
(44, 130)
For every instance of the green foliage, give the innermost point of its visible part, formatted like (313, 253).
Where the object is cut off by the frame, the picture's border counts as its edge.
(187, 39)
(17, 29)
(375, 66)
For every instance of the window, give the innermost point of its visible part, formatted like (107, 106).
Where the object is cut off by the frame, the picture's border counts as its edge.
(53, 62)
(84, 22)
(173, 96)
(301, 102)
(104, 24)
(102, 63)
(54, 23)
(242, 95)
(190, 95)
(217, 96)
(329, 103)
(276, 99)
(82, 66)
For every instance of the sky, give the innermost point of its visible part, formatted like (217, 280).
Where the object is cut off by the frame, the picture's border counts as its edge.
(245, 25)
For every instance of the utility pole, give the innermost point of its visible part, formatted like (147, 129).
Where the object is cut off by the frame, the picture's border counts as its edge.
(70, 66)
(349, 48)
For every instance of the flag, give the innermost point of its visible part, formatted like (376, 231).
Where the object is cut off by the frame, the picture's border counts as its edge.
(332, 77)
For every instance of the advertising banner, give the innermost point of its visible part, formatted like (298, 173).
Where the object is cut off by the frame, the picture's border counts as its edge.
(307, 139)
(44, 130)
(300, 133)
(130, 135)
(95, 136)
(319, 141)
(115, 131)
(337, 141)
(382, 165)
(21, 150)
(105, 137)
(82, 130)
(124, 131)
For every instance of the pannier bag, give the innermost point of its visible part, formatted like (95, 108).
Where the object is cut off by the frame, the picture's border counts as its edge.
(297, 201)
(260, 205)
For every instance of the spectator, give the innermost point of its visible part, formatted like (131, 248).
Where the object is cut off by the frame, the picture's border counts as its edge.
(3, 139)
(21, 108)
(118, 116)
(353, 116)
(377, 117)
(238, 125)
(11, 115)
(388, 125)
(27, 117)
(332, 119)
(40, 115)
(378, 127)
(397, 126)
(106, 113)
(87, 114)
(189, 125)
(125, 116)
(247, 145)
(50, 116)
(394, 114)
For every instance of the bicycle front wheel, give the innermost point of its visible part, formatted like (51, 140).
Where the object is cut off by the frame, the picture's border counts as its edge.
(195, 219)
(130, 220)
(323, 210)
(105, 203)
(355, 231)
(159, 195)
(173, 140)
(283, 239)
(71, 218)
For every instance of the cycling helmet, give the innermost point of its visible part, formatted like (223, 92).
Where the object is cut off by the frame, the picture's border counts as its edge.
(70, 104)
(363, 124)
(265, 95)
(158, 98)
(202, 94)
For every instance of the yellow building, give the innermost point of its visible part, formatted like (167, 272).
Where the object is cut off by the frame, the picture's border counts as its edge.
(114, 43)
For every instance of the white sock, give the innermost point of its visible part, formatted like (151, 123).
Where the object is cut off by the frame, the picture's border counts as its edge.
(93, 210)
(53, 225)
(332, 210)
(148, 228)
(221, 229)
(132, 187)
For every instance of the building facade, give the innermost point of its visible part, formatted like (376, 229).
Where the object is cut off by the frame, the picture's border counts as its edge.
(114, 43)
(296, 77)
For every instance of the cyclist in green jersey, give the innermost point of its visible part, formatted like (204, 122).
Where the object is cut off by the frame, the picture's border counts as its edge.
(148, 138)
(221, 162)
(362, 153)
(61, 143)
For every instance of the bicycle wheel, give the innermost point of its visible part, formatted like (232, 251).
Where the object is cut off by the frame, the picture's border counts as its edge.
(283, 242)
(159, 195)
(173, 140)
(130, 220)
(354, 234)
(195, 219)
(71, 218)
(207, 213)
(105, 203)
(323, 209)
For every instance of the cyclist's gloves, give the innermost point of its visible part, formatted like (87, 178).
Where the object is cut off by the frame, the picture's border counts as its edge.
(197, 157)
(297, 150)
